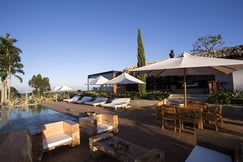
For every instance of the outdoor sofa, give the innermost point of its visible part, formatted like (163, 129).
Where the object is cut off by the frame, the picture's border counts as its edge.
(118, 103)
(60, 133)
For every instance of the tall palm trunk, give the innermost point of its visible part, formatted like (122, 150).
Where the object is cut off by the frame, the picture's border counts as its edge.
(8, 79)
(8, 84)
(4, 91)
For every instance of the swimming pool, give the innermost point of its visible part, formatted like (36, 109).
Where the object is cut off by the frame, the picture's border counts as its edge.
(30, 117)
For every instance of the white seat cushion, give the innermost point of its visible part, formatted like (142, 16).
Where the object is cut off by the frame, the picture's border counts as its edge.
(56, 140)
(203, 154)
(104, 128)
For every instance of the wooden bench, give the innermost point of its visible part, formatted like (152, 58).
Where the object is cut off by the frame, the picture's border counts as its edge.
(60, 133)
(122, 149)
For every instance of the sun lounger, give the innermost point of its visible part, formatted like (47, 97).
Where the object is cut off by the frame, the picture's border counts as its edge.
(74, 98)
(97, 101)
(83, 99)
(118, 103)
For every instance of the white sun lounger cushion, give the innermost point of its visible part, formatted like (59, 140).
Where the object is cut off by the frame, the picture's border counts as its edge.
(97, 101)
(118, 103)
(56, 140)
(84, 99)
(74, 98)
(104, 128)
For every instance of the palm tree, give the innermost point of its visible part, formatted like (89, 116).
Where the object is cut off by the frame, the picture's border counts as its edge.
(9, 64)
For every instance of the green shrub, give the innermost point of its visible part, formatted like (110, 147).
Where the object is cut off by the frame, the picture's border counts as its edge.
(132, 95)
(237, 94)
(90, 93)
(104, 94)
(157, 95)
(220, 97)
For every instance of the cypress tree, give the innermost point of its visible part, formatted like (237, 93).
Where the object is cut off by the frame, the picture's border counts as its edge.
(141, 62)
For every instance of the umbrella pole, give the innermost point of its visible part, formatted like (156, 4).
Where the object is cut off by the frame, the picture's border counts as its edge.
(185, 97)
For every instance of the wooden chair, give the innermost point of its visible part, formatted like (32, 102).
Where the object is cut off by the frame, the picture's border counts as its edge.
(214, 116)
(191, 116)
(219, 114)
(158, 107)
(169, 114)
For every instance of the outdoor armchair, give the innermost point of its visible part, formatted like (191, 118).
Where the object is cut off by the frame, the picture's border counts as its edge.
(98, 124)
(60, 133)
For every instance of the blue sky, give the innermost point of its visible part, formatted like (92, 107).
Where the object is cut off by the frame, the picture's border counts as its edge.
(66, 40)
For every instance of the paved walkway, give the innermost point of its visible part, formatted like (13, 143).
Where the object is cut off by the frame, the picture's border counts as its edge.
(139, 126)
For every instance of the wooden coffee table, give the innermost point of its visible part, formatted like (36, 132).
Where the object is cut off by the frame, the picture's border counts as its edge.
(122, 149)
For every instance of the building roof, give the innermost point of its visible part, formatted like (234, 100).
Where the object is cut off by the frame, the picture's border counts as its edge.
(235, 52)
(103, 73)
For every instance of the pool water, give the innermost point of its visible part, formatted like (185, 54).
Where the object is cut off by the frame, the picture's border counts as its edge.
(30, 117)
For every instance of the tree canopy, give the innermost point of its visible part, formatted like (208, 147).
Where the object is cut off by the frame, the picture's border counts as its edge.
(208, 43)
(40, 84)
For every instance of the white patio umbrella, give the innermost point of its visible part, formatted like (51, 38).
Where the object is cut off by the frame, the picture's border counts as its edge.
(124, 78)
(191, 65)
(63, 88)
(98, 81)
(56, 88)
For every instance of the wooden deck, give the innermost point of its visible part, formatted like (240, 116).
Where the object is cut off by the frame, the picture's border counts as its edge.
(138, 125)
